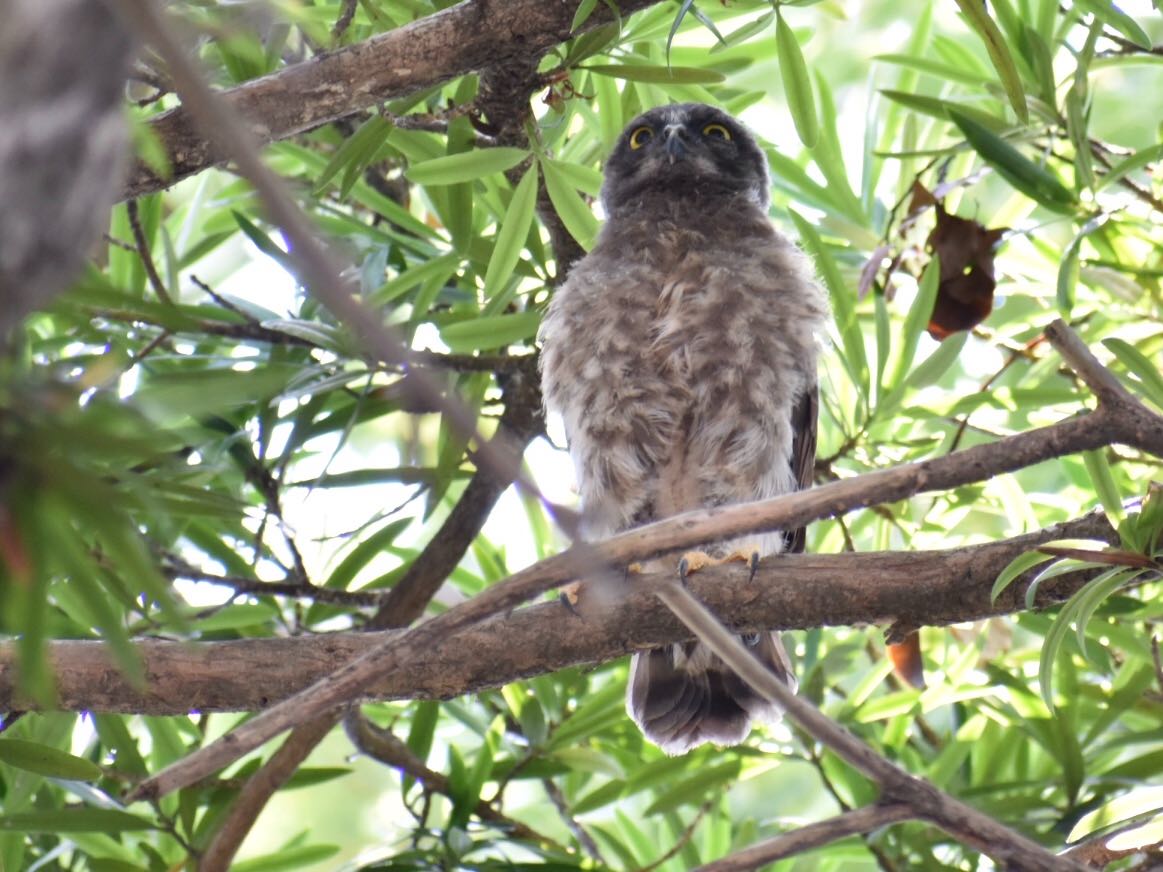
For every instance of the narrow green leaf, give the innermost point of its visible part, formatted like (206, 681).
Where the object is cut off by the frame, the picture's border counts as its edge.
(744, 33)
(1104, 484)
(943, 71)
(584, 10)
(1140, 365)
(1094, 593)
(705, 781)
(919, 314)
(437, 269)
(287, 858)
(1050, 647)
(1068, 278)
(74, 819)
(843, 305)
(935, 365)
(999, 53)
(355, 151)
(657, 75)
(797, 84)
(452, 169)
(490, 331)
(1136, 161)
(1109, 13)
(570, 208)
(1036, 182)
(1015, 567)
(45, 760)
(513, 230)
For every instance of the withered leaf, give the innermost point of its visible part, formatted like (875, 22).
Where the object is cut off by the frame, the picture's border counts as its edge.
(965, 289)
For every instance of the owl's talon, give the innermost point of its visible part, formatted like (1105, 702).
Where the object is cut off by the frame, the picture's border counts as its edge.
(684, 569)
(568, 597)
(753, 564)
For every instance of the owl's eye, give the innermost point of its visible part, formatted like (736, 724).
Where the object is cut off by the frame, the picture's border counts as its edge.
(717, 131)
(640, 136)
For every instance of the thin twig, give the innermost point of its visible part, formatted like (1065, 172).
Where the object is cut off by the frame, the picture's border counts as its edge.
(572, 823)
(155, 280)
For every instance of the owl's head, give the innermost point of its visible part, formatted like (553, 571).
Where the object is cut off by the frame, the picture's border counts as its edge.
(685, 151)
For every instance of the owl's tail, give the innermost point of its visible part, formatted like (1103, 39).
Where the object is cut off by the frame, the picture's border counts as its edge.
(683, 695)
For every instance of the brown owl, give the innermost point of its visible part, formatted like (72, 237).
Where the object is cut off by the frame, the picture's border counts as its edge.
(681, 355)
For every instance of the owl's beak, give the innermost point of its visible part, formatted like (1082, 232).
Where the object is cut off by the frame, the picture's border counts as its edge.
(675, 147)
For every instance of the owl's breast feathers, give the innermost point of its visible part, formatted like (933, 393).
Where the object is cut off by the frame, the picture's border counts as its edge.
(676, 352)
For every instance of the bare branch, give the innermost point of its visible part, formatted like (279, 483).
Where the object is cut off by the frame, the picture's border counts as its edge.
(806, 838)
(790, 591)
(465, 38)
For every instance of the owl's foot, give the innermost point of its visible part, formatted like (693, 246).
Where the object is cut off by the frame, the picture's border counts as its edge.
(569, 595)
(693, 561)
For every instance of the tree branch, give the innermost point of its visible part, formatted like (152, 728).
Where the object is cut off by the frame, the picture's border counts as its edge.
(471, 36)
(929, 588)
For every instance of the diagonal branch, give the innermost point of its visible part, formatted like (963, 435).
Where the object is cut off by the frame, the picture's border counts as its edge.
(471, 36)
(963, 822)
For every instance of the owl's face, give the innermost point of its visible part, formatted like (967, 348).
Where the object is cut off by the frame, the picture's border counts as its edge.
(689, 150)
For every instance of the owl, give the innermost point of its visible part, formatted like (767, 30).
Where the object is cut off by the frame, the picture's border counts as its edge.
(681, 355)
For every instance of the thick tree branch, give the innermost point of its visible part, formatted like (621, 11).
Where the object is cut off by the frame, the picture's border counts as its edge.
(806, 838)
(471, 36)
(790, 591)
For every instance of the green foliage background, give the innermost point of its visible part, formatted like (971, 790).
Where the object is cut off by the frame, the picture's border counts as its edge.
(147, 440)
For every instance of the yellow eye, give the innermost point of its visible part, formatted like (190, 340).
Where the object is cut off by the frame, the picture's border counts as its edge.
(640, 136)
(718, 131)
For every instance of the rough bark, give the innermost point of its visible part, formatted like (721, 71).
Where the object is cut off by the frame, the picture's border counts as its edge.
(792, 591)
(469, 37)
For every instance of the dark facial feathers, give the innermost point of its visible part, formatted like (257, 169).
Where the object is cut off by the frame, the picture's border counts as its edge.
(690, 150)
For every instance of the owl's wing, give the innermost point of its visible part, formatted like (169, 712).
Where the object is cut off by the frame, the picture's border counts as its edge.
(803, 456)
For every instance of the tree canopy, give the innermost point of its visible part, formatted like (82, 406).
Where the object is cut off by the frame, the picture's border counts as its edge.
(279, 507)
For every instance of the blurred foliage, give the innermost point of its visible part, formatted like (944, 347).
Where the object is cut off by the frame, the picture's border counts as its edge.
(173, 442)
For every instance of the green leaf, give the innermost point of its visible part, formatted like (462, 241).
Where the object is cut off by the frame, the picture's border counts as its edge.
(1109, 13)
(287, 858)
(1129, 164)
(1015, 568)
(797, 84)
(44, 760)
(354, 155)
(513, 230)
(999, 53)
(1036, 182)
(918, 317)
(74, 819)
(1104, 484)
(843, 305)
(490, 331)
(570, 208)
(657, 75)
(584, 10)
(1140, 365)
(695, 789)
(452, 169)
